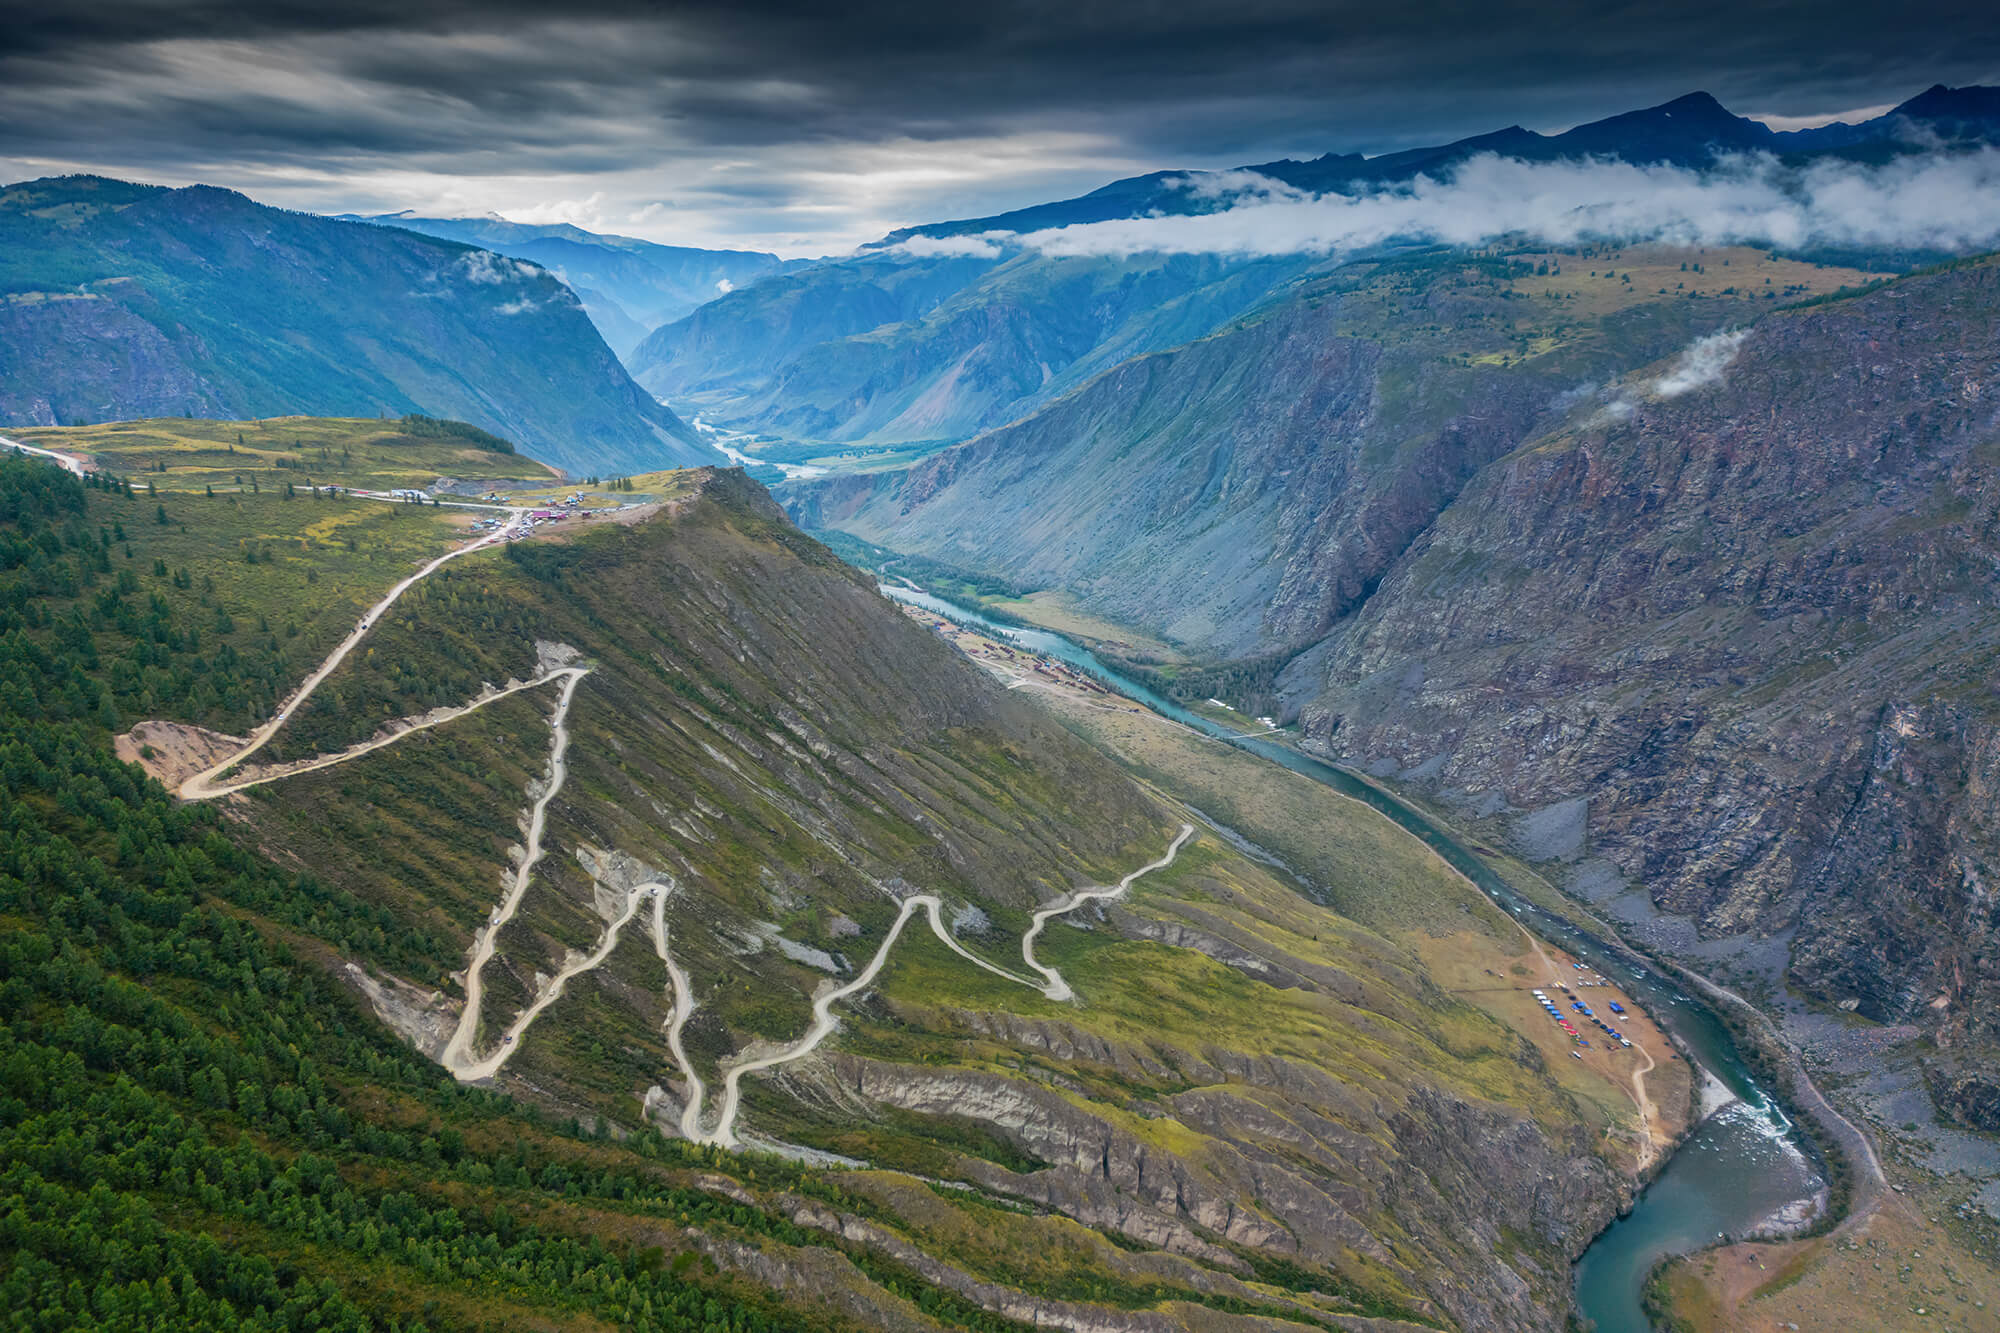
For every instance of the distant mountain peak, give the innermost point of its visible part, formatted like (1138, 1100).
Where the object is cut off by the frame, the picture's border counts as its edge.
(1973, 102)
(1697, 101)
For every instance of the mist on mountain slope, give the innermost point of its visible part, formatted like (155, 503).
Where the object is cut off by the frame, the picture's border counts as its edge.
(1940, 201)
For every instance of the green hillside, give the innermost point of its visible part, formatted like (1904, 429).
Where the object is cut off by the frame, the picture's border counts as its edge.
(1257, 1114)
(180, 454)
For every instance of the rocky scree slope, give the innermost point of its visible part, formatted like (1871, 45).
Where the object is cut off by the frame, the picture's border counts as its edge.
(122, 301)
(1754, 627)
(1256, 1097)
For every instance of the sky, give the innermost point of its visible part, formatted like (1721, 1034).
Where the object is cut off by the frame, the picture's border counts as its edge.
(807, 128)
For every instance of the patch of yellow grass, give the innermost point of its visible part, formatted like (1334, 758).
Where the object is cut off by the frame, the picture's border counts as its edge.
(1595, 283)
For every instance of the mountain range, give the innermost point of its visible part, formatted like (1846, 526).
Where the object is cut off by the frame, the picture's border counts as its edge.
(120, 301)
(610, 909)
(1666, 565)
(1719, 651)
(945, 329)
(1690, 131)
(628, 287)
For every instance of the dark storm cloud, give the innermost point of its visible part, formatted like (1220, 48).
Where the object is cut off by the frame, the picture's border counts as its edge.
(699, 95)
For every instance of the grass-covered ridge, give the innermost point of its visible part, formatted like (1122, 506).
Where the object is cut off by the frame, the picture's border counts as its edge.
(183, 454)
(760, 726)
(199, 1128)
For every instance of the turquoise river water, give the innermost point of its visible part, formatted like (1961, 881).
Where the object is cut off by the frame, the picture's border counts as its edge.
(1744, 1165)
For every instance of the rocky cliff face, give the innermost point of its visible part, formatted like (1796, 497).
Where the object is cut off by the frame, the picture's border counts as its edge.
(1751, 624)
(1724, 629)
(1295, 1166)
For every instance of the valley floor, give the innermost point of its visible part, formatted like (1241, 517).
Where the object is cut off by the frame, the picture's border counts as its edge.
(1642, 1096)
(1923, 1258)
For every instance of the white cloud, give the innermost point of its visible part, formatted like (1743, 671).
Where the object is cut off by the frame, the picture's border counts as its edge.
(952, 247)
(1853, 116)
(1237, 184)
(587, 213)
(487, 269)
(725, 286)
(520, 307)
(1942, 201)
(1701, 364)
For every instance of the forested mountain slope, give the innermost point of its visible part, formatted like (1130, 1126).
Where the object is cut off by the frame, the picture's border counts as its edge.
(1253, 1113)
(120, 301)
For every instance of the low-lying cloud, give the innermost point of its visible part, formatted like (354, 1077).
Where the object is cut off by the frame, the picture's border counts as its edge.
(1701, 364)
(1934, 201)
(489, 270)
(985, 246)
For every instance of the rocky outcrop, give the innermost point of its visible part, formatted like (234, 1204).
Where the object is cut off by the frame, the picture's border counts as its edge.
(86, 358)
(1292, 1162)
(1749, 625)
(1970, 1096)
(1032, 1308)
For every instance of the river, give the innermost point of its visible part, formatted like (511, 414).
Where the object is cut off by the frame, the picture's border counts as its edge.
(1743, 1165)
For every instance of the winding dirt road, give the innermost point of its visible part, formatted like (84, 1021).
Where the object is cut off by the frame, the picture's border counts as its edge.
(823, 1024)
(405, 728)
(203, 785)
(457, 1054)
(68, 462)
(1055, 987)
(458, 1059)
